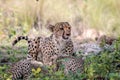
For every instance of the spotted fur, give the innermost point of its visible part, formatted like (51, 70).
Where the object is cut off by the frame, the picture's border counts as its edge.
(42, 49)
(23, 69)
(73, 65)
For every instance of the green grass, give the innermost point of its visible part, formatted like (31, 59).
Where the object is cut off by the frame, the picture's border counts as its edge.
(95, 66)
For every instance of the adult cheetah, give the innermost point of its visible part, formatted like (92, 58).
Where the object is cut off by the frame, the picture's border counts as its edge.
(59, 42)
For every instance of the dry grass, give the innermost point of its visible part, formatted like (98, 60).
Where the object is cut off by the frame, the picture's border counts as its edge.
(17, 17)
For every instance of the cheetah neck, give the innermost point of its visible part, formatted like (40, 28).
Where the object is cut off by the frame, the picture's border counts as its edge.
(59, 42)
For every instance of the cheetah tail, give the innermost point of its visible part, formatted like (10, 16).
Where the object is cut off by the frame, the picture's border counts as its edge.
(19, 38)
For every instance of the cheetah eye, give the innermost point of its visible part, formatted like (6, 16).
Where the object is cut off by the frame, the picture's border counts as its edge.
(61, 28)
(69, 27)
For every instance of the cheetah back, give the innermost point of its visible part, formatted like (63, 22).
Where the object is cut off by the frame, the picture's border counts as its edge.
(73, 65)
(21, 70)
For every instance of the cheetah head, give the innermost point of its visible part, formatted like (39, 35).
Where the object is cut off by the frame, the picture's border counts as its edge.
(61, 30)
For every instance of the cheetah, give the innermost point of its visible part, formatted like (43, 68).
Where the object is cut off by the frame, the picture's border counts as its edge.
(42, 49)
(106, 39)
(23, 68)
(72, 64)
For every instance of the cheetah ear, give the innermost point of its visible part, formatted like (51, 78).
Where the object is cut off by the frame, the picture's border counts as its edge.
(51, 28)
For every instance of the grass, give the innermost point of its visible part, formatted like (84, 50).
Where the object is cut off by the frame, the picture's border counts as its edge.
(17, 17)
(103, 15)
(101, 66)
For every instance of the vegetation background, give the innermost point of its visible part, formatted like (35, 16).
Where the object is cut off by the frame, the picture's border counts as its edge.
(88, 18)
(17, 17)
